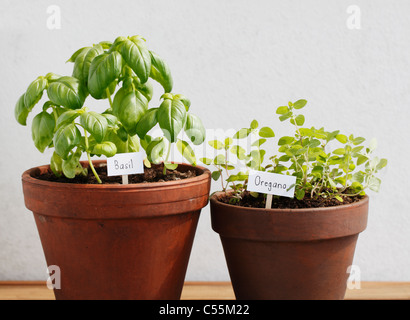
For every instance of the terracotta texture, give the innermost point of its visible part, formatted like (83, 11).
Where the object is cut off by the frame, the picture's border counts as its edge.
(289, 254)
(117, 241)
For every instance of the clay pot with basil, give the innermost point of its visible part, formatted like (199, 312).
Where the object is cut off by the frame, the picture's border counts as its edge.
(117, 241)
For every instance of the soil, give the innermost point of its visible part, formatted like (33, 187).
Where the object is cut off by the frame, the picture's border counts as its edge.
(287, 203)
(153, 174)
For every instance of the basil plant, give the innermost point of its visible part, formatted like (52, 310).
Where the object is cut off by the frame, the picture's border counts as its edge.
(118, 72)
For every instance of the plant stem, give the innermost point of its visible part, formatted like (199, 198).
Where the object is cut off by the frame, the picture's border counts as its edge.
(166, 158)
(89, 158)
(109, 96)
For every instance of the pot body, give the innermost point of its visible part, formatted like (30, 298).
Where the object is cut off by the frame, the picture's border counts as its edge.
(293, 254)
(117, 241)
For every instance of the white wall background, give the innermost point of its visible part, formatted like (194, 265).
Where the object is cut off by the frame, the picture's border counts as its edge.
(236, 60)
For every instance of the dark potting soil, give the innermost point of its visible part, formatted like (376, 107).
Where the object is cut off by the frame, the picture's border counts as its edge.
(153, 174)
(286, 203)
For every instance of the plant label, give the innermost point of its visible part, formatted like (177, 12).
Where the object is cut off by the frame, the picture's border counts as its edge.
(125, 163)
(271, 183)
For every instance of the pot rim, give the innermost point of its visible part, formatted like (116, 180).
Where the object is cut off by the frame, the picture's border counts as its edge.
(288, 225)
(28, 177)
(214, 199)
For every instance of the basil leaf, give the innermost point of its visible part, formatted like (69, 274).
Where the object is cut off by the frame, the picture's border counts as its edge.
(88, 58)
(42, 130)
(171, 118)
(104, 70)
(56, 164)
(21, 112)
(160, 72)
(72, 166)
(135, 53)
(155, 150)
(34, 92)
(106, 148)
(147, 122)
(129, 107)
(195, 129)
(65, 139)
(94, 123)
(186, 151)
(67, 92)
(67, 118)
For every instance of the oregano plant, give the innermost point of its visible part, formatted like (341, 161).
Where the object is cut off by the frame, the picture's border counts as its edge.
(120, 73)
(326, 164)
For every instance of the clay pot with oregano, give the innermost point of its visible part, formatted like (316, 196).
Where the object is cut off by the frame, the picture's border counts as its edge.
(298, 246)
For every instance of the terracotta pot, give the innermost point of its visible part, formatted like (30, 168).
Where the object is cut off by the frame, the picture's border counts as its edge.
(117, 241)
(289, 254)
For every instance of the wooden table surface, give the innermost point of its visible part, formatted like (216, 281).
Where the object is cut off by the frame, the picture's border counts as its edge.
(37, 290)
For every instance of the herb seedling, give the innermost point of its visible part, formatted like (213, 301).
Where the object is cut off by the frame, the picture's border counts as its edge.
(345, 170)
(71, 128)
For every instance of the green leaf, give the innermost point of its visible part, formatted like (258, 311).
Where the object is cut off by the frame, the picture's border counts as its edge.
(67, 92)
(94, 123)
(285, 116)
(171, 118)
(372, 145)
(194, 129)
(299, 194)
(216, 144)
(282, 110)
(135, 53)
(254, 124)
(160, 72)
(71, 166)
(34, 92)
(239, 152)
(258, 142)
(106, 148)
(147, 122)
(56, 164)
(358, 140)
(299, 104)
(129, 107)
(79, 63)
(90, 55)
(155, 150)
(77, 53)
(42, 130)
(374, 184)
(216, 175)
(361, 159)
(220, 159)
(65, 139)
(266, 132)
(341, 138)
(145, 88)
(185, 149)
(206, 161)
(242, 133)
(67, 118)
(358, 177)
(21, 112)
(183, 99)
(170, 166)
(382, 163)
(103, 71)
(339, 198)
(339, 151)
(286, 140)
(300, 120)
